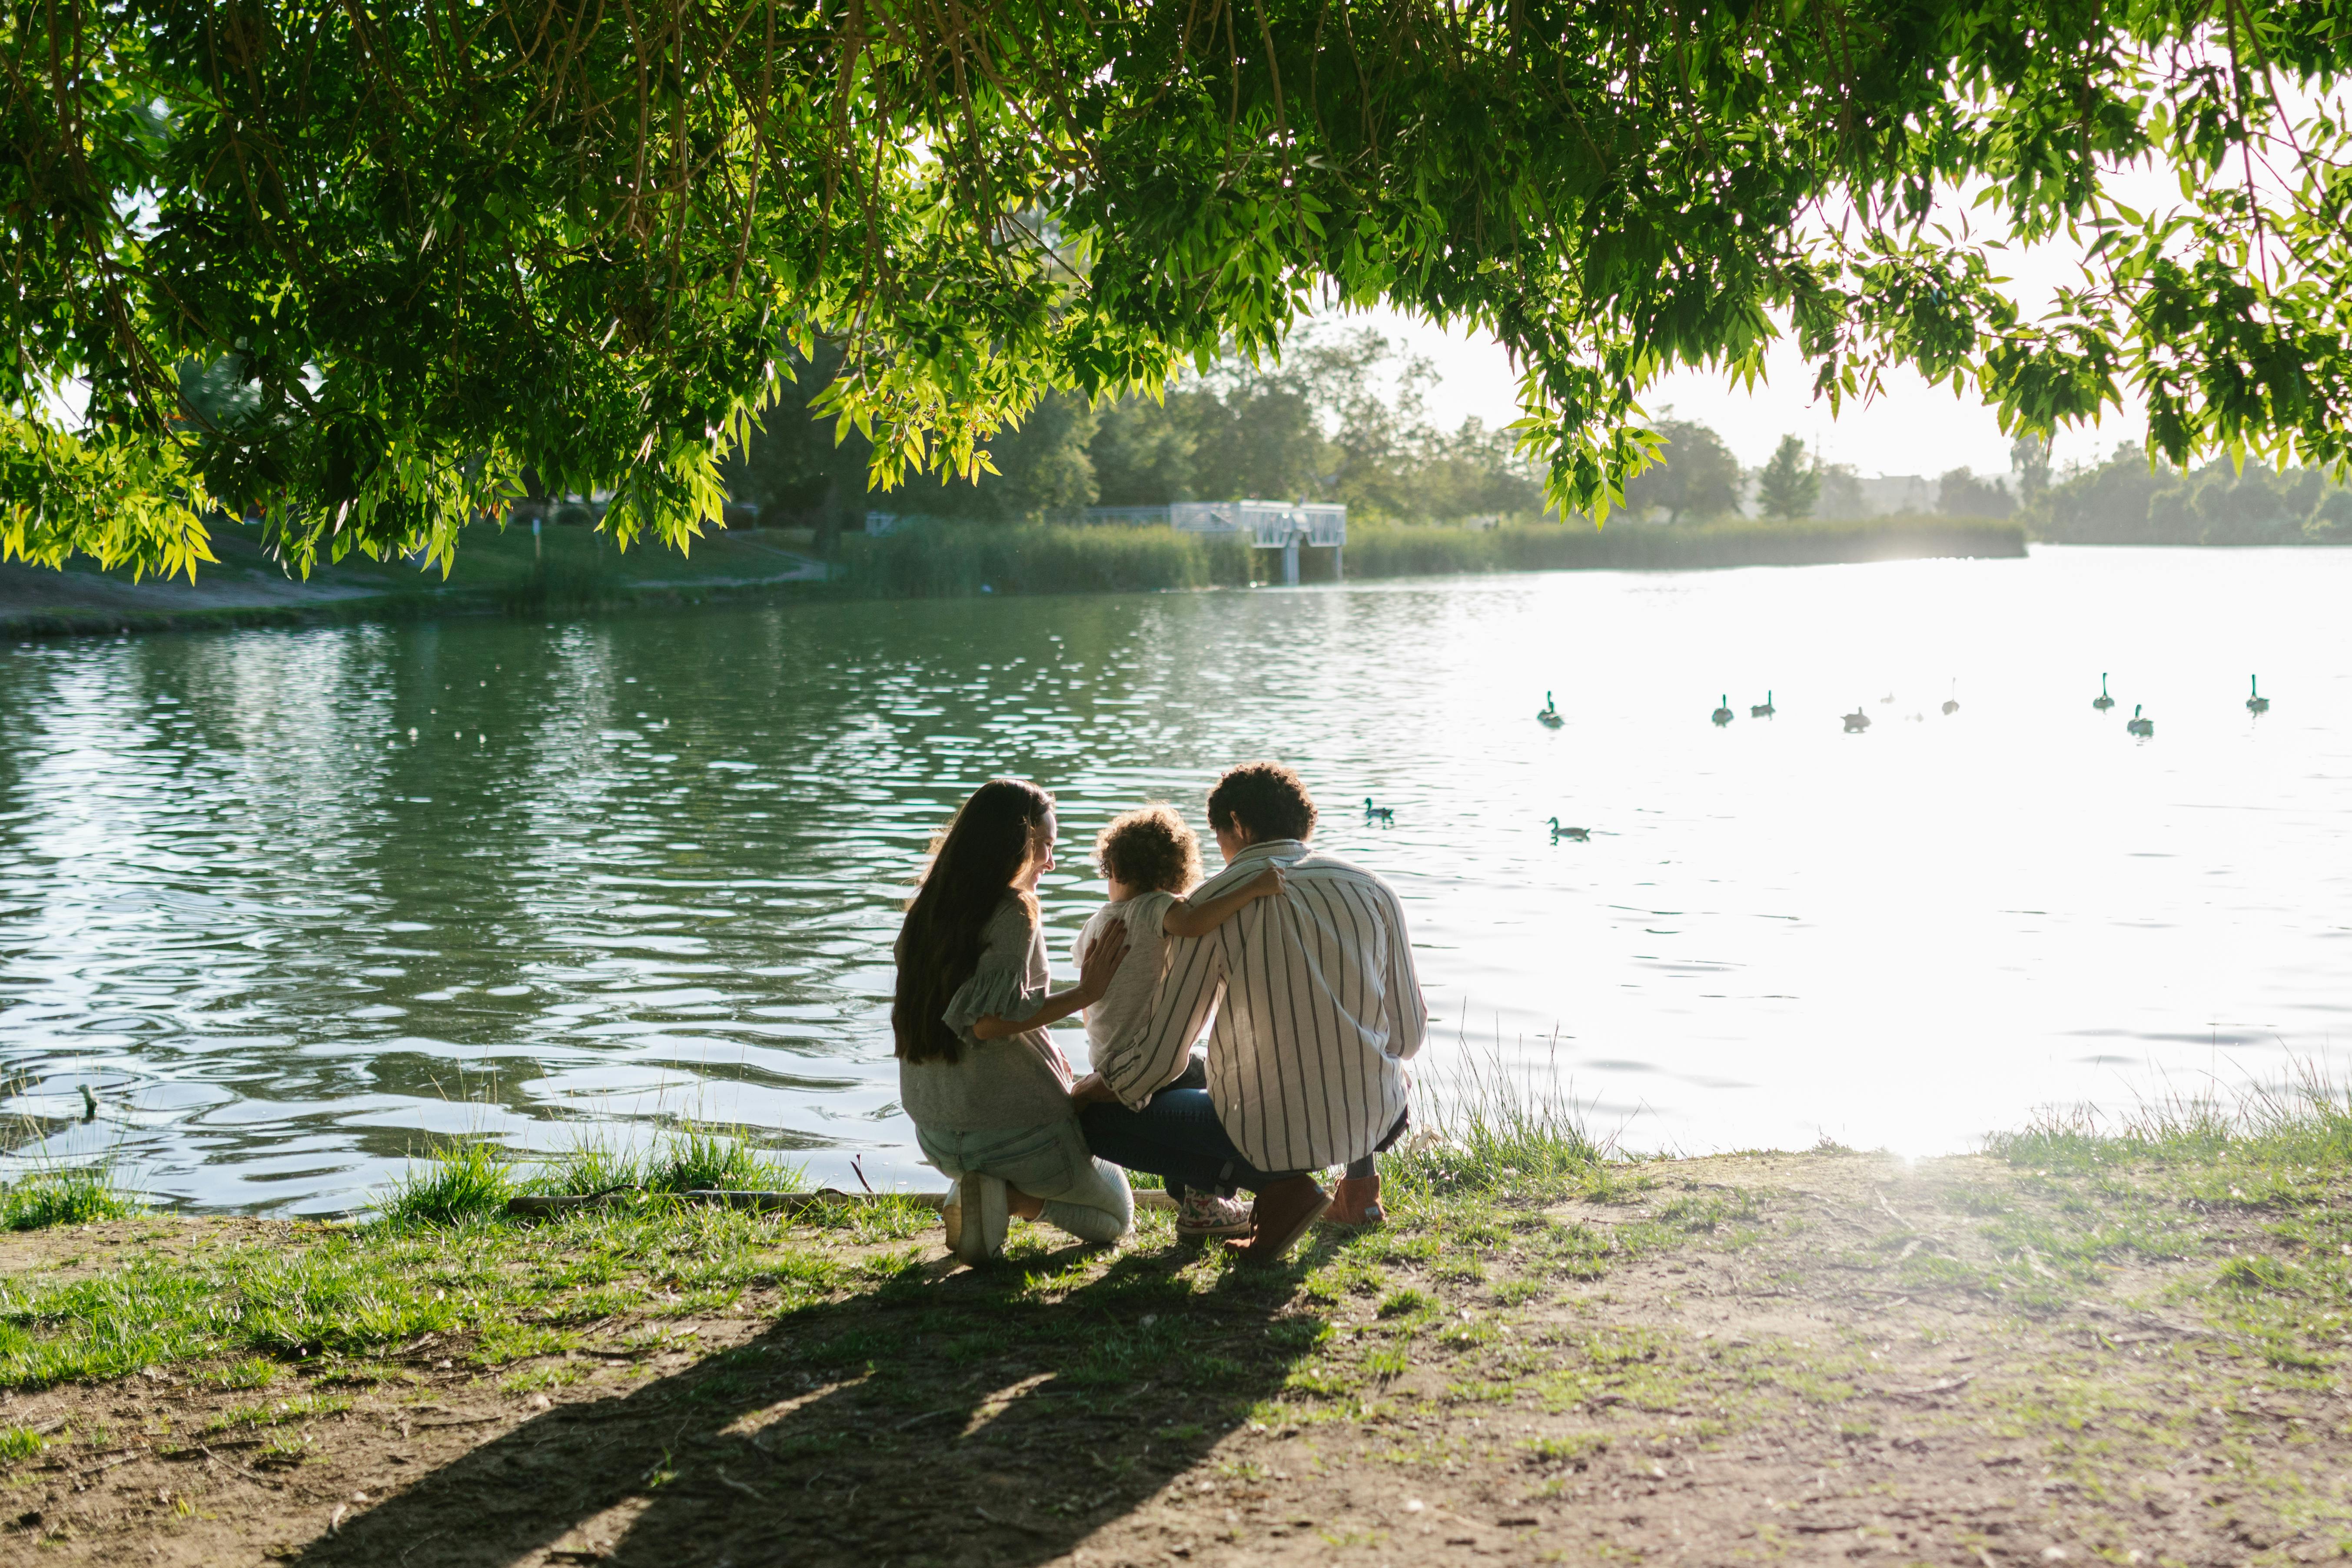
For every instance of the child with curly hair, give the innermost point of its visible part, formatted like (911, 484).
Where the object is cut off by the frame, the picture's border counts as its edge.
(1151, 858)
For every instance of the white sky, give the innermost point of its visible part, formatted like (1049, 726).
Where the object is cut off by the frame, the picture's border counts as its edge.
(1914, 428)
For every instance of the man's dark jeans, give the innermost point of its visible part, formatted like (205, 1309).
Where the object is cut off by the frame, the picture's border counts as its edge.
(1176, 1137)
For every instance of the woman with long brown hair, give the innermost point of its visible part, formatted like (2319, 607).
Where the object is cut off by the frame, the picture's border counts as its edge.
(986, 1087)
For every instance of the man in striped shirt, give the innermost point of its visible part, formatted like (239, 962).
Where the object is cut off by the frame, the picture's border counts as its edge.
(1317, 1011)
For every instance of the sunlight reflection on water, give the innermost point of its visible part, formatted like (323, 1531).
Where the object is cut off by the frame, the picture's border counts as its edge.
(647, 866)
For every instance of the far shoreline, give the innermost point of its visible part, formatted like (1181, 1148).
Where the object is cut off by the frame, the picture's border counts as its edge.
(568, 570)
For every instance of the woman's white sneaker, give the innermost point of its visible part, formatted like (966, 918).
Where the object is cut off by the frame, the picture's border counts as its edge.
(982, 1216)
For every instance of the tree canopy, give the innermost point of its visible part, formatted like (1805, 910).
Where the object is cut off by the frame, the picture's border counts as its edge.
(360, 265)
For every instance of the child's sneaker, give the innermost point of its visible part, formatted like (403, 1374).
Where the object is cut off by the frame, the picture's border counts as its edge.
(1355, 1204)
(1203, 1215)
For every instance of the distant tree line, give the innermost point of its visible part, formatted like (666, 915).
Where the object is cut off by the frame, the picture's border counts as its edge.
(2127, 500)
(1342, 417)
(1699, 480)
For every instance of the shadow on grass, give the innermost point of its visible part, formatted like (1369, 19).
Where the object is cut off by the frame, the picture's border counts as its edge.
(947, 1417)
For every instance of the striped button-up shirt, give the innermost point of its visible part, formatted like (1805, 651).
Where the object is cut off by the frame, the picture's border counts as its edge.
(1317, 1008)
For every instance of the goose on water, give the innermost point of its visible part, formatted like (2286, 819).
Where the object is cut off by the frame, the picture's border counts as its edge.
(1722, 714)
(1378, 812)
(2103, 701)
(1952, 702)
(1763, 709)
(2257, 702)
(1580, 834)
(1857, 722)
(1548, 715)
(2138, 726)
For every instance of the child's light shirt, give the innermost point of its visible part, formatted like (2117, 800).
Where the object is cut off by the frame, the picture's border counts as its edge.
(1138, 976)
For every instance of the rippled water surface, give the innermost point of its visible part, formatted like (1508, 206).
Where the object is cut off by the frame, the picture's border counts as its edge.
(291, 901)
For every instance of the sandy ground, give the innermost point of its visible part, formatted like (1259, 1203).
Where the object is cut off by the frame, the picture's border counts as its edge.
(1830, 1375)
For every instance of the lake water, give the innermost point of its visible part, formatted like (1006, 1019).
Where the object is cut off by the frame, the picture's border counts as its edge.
(291, 901)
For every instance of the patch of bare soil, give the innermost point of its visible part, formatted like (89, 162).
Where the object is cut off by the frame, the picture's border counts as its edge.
(1810, 1359)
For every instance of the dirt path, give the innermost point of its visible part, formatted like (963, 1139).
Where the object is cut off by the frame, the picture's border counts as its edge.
(1819, 1358)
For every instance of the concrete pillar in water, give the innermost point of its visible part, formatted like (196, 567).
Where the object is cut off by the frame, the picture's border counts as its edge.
(1290, 562)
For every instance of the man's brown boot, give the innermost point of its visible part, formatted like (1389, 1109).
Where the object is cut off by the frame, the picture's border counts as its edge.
(1356, 1203)
(1283, 1214)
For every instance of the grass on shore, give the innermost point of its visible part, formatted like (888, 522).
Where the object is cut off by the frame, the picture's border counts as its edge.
(962, 560)
(1385, 550)
(470, 1181)
(1523, 1312)
(944, 560)
(1497, 1145)
(67, 1195)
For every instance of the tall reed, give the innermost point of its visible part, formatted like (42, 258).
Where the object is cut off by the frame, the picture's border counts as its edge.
(1490, 1123)
(938, 561)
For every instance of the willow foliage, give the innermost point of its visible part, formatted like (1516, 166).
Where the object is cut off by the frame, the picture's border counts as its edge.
(358, 265)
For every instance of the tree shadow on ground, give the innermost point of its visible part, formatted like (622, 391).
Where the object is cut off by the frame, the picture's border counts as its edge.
(943, 1417)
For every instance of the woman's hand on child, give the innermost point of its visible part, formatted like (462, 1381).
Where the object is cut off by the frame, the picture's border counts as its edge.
(1102, 961)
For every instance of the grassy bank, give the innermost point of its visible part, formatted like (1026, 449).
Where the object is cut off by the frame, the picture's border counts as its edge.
(2093, 1345)
(498, 571)
(938, 561)
(1388, 551)
(956, 561)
